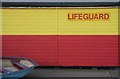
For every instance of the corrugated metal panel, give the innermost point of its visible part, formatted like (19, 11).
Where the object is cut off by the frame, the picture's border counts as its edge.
(52, 21)
(71, 43)
(94, 50)
(42, 49)
(64, 50)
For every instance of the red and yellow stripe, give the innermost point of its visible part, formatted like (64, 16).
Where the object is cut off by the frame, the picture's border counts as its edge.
(47, 36)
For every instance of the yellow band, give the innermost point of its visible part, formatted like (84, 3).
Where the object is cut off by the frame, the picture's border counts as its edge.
(55, 21)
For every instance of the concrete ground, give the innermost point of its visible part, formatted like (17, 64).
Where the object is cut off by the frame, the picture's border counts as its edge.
(71, 72)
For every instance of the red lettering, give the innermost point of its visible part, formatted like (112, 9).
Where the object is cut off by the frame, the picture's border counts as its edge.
(75, 15)
(69, 17)
(90, 16)
(101, 16)
(96, 16)
(85, 16)
(106, 16)
(80, 16)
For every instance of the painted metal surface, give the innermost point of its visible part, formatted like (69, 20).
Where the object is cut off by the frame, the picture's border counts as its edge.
(49, 37)
(52, 21)
(64, 50)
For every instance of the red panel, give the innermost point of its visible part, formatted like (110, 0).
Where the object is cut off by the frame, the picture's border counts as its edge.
(40, 48)
(0, 46)
(88, 50)
(74, 50)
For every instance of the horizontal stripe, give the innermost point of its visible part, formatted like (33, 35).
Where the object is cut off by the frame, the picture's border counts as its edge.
(58, 4)
(64, 50)
(54, 21)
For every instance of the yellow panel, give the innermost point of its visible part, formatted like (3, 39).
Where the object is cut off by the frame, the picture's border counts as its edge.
(0, 23)
(88, 27)
(52, 21)
(29, 21)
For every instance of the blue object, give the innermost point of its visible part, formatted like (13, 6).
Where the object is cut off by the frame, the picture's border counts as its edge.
(17, 74)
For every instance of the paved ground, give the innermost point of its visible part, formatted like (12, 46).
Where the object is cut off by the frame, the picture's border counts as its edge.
(58, 72)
